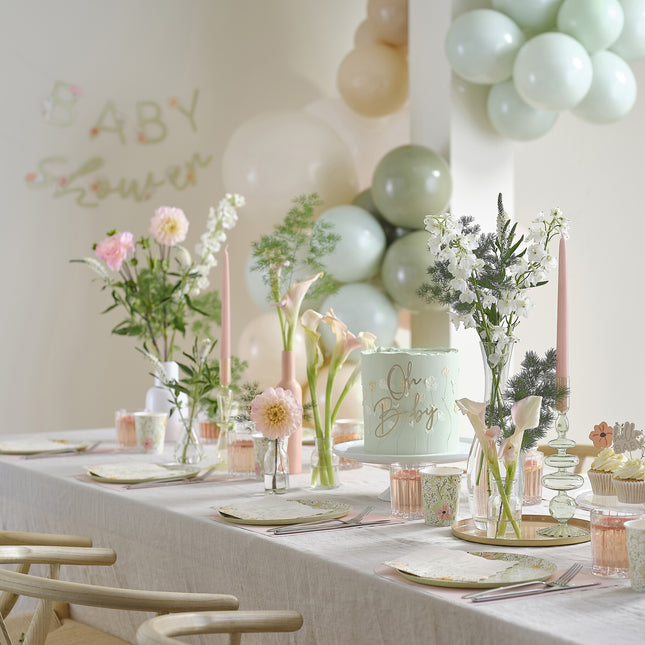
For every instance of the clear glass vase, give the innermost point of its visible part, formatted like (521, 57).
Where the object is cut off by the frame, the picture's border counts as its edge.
(498, 524)
(324, 465)
(276, 467)
(479, 482)
(188, 449)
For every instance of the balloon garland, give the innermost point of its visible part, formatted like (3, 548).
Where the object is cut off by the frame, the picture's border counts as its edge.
(541, 57)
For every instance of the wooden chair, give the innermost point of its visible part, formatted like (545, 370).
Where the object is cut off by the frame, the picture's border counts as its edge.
(585, 452)
(161, 629)
(44, 628)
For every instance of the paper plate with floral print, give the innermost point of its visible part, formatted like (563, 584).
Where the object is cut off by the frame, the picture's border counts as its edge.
(272, 511)
(135, 472)
(37, 446)
(528, 569)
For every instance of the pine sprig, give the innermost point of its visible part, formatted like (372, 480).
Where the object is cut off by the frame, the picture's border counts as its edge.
(296, 243)
(537, 377)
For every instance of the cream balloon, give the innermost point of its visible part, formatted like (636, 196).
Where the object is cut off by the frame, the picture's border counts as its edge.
(365, 34)
(373, 80)
(596, 25)
(514, 118)
(390, 20)
(352, 406)
(260, 345)
(613, 90)
(481, 46)
(275, 156)
(552, 72)
(630, 45)
(256, 287)
(368, 139)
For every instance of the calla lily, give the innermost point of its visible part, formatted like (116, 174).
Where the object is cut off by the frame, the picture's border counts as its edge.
(345, 343)
(487, 437)
(290, 305)
(526, 413)
(310, 321)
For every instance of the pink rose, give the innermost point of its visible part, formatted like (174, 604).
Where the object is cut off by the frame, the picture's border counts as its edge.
(114, 249)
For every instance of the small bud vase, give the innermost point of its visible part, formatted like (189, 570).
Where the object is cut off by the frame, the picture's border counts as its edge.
(276, 467)
(324, 465)
(288, 381)
(158, 400)
(188, 449)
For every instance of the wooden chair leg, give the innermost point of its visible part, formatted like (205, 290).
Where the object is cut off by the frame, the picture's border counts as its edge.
(39, 626)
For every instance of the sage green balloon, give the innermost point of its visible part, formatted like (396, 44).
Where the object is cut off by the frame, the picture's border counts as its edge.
(596, 24)
(404, 270)
(613, 90)
(533, 15)
(514, 118)
(409, 183)
(630, 45)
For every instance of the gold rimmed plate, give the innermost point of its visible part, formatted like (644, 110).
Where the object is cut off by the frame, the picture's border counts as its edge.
(133, 472)
(40, 446)
(528, 569)
(271, 511)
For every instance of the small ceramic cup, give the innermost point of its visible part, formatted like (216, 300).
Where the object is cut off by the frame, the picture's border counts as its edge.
(151, 431)
(636, 552)
(440, 486)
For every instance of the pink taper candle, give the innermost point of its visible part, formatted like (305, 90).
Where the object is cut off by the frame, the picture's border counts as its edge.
(562, 362)
(225, 340)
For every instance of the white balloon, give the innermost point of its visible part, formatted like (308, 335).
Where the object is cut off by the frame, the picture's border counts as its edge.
(481, 46)
(532, 15)
(630, 45)
(596, 25)
(552, 72)
(368, 139)
(275, 156)
(514, 118)
(260, 345)
(613, 90)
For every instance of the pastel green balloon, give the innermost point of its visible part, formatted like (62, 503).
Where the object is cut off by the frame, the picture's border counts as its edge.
(364, 200)
(596, 24)
(514, 118)
(481, 46)
(362, 307)
(552, 72)
(533, 15)
(630, 45)
(409, 183)
(359, 251)
(613, 90)
(404, 270)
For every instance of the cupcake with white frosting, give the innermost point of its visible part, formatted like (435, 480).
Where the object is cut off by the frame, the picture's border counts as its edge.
(603, 468)
(629, 482)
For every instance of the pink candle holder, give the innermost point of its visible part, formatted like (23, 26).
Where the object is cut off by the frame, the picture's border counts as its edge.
(609, 542)
(126, 434)
(406, 498)
(533, 469)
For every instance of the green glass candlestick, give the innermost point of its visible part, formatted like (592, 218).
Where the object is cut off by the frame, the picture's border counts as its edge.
(224, 407)
(562, 507)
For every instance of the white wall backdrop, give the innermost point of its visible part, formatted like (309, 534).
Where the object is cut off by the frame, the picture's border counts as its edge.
(72, 66)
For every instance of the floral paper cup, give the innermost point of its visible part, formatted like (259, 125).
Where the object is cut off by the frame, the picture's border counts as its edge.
(151, 431)
(440, 486)
(636, 552)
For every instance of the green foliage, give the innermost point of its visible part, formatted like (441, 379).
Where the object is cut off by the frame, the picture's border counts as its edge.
(209, 305)
(248, 391)
(537, 377)
(297, 243)
(209, 405)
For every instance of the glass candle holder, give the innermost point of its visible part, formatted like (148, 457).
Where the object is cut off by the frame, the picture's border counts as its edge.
(347, 430)
(241, 455)
(609, 542)
(209, 430)
(406, 498)
(533, 469)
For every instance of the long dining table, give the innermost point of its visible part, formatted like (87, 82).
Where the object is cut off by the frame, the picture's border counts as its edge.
(172, 538)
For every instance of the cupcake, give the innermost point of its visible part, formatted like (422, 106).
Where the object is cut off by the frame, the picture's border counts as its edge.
(602, 470)
(629, 482)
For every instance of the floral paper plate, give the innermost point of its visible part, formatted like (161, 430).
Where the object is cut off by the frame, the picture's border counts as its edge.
(134, 472)
(272, 511)
(37, 446)
(528, 569)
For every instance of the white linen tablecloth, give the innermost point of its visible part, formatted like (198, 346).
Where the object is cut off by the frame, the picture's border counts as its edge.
(166, 538)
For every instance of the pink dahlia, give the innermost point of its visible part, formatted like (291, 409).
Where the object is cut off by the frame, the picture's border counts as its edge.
(114, 249)
(276, 413)
(169, 225)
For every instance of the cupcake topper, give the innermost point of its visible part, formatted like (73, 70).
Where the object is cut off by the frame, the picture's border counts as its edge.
(601, 435)
(627, 438)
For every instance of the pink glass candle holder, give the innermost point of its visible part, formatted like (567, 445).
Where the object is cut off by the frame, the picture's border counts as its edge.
(609, 542)
(241, 454)
(533, 469)
(406, 499)
(126, 433)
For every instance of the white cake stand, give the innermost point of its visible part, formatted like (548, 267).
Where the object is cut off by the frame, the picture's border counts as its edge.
(355, 450)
